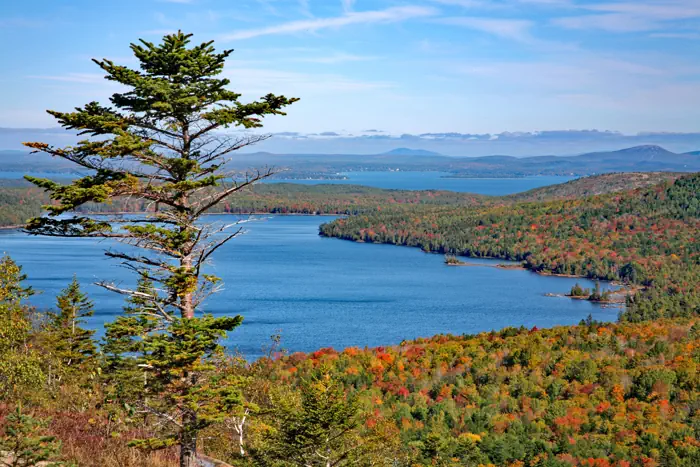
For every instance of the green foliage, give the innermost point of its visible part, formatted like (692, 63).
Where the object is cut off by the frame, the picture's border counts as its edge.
(164, 365)
(20, 369)
(156, 143)
(608, 395)
(72, 345)
(24, 443)
(19, 203)
(578, 291)
(315, 429)
(645, 237)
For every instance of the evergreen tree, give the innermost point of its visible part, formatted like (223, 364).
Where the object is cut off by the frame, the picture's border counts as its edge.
(73, 345)
(124, 347)
(23, 442)
(11, 277)
(317, 427)
(19, 364)
(161, 141)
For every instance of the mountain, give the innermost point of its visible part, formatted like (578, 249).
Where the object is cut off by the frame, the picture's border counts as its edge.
(410, 152)
(595, 185)
(645, 158)
(24, 161)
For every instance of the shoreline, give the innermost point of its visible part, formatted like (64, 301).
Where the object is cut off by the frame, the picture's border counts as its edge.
(619, 295)
(625, 289)
(124, 213)
(498, 266)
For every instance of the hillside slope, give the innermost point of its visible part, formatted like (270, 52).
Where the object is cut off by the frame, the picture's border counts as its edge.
(593, 395)
(20, 201)
(596, 185)
(646, 236)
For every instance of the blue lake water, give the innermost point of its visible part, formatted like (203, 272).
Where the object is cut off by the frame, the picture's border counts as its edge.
(321, 292)
(401, 181)
(437, 181)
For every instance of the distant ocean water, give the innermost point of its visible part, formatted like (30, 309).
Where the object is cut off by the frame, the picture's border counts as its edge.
(437, 181)
(400, 181)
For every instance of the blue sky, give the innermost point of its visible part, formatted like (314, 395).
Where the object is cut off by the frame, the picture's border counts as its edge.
(470, 66)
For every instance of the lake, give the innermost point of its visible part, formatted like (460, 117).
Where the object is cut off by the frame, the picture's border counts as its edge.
(399, 181)
(321, 292)
(437, 181)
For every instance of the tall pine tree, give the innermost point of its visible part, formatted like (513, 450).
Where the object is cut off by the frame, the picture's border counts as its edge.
(73, 345)
(161, 141)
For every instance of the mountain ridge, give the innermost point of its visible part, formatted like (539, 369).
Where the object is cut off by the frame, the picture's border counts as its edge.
(642, 158)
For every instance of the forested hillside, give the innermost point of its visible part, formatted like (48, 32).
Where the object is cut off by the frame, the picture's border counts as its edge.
(19, 202)
(289, 198)
(593, 395)
(595, 185)
(590, 395)
(646, 236)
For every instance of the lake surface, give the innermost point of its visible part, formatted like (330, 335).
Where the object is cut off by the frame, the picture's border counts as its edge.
(437, 181)
(398, 181)
(321, 292)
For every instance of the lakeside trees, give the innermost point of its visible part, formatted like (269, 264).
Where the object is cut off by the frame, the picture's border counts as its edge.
(19, 202)
(159, 142)
(590, 395)
(646, 237)
(617, 395)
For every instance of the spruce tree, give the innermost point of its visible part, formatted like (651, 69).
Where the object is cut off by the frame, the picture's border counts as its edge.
(161, 141)
(73, 345)
(20, 369)
(318, 427)
(23, 443)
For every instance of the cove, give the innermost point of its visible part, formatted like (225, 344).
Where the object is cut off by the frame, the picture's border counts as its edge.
(321, 292)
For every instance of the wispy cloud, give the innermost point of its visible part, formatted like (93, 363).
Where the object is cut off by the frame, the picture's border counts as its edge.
(336, 58)
(666, 10)
(609, 22)
(515, 29)
(347, 5)
(388, 15)
(305, 8)
(84, 78)
(463, 3)
(677, 35)
(631, 16)
(260, 80)
(503, 4)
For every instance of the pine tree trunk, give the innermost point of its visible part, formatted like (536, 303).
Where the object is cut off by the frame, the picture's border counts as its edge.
(188, 443)
(187, 300)
(188, 454)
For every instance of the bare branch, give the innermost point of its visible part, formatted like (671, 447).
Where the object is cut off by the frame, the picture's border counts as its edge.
(213, 200)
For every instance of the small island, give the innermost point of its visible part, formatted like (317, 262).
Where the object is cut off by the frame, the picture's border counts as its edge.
(452, 260)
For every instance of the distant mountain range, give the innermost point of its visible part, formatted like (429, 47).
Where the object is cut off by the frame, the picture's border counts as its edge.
(410, 152)
(645, 158)
(457, 144)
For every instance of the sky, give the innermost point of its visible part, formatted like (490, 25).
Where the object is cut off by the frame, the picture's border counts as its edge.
(383, 66)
